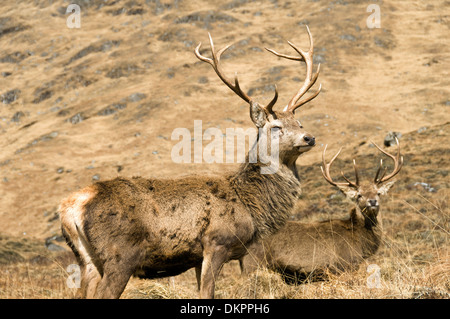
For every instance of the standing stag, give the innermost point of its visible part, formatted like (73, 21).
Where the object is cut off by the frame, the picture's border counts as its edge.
(162, 227)
(307, 250)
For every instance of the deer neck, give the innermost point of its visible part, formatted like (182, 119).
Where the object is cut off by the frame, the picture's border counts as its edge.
(292, 166)
(269, 198)
(370, 232)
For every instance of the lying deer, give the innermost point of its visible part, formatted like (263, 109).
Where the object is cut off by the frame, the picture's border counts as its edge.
(307, 250)
(162, 227)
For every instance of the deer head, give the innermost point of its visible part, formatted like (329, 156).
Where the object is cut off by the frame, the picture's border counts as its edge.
(293, 139)
(366, 195)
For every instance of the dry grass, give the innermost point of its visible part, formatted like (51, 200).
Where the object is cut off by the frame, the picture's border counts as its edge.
(413, 264)
(40, 277)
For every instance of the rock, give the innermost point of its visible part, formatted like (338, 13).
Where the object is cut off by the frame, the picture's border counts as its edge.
(52, 246)
(16, 117)
(422, 129)
(261, 89)
(426, 186)
(348, 37)
(77, 118)
(135, 97)
(384, 42)
(43, 93)
(122, 71)
(389, 140)
(58, 238)
(43, 96)
(102, 47)
(111, 109)
(203, 80)
(204, 19)
(15, 57)
(10, 96)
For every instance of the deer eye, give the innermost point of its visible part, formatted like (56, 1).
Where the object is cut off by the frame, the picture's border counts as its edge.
(276, 130)
(300, 124)
(359, 196)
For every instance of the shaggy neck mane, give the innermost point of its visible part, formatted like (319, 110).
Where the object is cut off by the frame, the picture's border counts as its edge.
(371, 234)
(269, 198)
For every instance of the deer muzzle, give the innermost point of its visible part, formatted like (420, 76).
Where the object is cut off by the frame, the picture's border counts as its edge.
(372, 206)
(309, 140)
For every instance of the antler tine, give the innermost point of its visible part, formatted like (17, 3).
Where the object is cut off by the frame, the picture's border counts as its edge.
(269, 106)
(326, 170)
(289, 57)
(398, 163)
(378, 171)
(294, 103)
(215, 63)
(356, 184)
(326, 167)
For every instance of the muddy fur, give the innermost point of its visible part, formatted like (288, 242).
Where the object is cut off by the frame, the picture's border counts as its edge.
(156, 228)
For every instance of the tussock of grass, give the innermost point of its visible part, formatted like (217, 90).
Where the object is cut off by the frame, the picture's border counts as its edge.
(262, 284)
(157, 289)
(26, 280)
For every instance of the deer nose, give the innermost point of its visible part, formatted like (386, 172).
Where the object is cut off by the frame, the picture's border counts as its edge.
(373, 202)
(310, 140)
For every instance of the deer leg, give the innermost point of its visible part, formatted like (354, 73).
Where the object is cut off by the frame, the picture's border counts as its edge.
(90, 278)
(198, 275)
(112, 285)
(213, 259)
(242, 266)
(90, 275)
(116, 273)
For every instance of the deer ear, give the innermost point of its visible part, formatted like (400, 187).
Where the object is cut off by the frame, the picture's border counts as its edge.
(385, 188)
(350, 192)
(257, 114)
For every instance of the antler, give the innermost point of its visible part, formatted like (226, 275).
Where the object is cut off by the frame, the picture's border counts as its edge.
(326, 171)
(307, 57)
(398, 163)
(215, 63)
